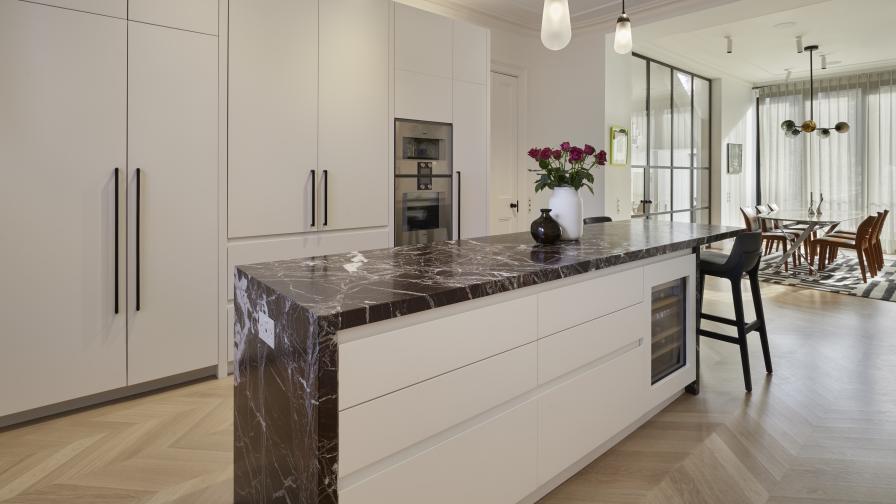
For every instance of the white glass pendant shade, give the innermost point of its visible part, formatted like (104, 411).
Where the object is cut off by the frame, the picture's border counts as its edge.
(556, 30)
(623, 42)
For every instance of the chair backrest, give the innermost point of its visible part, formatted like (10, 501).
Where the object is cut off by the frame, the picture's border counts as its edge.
(763, 209)
(745, 254)
(596, 220)
(880, 225)
(863, 232)
(774, 207)
(751, 218)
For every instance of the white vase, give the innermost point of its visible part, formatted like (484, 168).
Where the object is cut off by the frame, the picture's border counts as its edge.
(566, 209)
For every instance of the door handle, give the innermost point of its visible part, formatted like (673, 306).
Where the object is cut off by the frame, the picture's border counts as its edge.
(515, 205)
(326, 176)
(137, 243)
(116, 239)
(313, 201)
(458, 206)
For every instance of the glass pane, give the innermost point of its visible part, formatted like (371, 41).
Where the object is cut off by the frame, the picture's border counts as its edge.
(660, 115)
(668, 323)
(681, 189)
(701, 188)
(639, 112)
(701, 122)
(663, 217)
(637, 190)
(681, 120)
(702, 216)
(661, 189)
(682, 216)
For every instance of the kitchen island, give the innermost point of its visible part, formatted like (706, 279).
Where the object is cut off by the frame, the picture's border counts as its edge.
(480, 371)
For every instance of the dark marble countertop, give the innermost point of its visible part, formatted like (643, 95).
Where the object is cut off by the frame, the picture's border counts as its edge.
(364, 287)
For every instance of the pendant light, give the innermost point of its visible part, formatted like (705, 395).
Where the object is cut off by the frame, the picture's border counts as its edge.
(556, 30)
(790, 127)
(623, 42)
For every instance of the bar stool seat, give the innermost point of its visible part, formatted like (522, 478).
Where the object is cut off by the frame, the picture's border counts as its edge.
(744, 259)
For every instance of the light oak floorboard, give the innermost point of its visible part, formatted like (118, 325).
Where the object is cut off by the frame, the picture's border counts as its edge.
(821, 430)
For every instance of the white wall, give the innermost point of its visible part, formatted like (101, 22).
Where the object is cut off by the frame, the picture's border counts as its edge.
(734, 121)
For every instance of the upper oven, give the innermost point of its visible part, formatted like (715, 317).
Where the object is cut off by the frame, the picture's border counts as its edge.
(419, 142)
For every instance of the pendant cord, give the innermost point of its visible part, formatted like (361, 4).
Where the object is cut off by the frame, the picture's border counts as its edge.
(811, 87)
(623, 6)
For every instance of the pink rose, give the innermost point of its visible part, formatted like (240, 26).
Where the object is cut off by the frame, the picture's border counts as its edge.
(565, 146)
(545, 154)
(576, 154)
(533, 153)
(602, 158)
(589, 150)
(557, 154)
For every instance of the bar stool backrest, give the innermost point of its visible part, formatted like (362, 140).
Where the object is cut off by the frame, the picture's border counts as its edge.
(751, 218)
(745, 254)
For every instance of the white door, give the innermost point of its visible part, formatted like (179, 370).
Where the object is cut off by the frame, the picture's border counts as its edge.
(173, 141)
(272, 126)
(503, 183)
(353, 127)
(62, 134)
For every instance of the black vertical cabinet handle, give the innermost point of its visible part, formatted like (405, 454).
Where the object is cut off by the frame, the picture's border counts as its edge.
(326, 190)
(116, 239)
(313, 201)
(137, 243)
(458, 205)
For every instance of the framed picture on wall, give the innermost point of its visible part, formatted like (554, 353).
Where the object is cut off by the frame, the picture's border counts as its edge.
(619, 145)
(735, 158)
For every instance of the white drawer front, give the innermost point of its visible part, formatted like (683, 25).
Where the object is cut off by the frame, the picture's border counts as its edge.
(572, 305)
(579, 415)
(376, 429)
(567, 350)
(492, 463)
(377, 365)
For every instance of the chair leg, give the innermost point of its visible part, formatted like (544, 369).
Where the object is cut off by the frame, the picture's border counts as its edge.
(822, 257)
(879, 250)
(760, 316)
(741, 334)
(871, 261)
(784, 243)
(861, 257)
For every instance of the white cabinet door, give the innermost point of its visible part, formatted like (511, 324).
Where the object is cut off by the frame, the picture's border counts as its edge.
(272, 125)
(173, 141)
(423, 42)
(62, 134)
(194, 15)
(354, 113)
(114, 8)
(471, 54)
(471, 156)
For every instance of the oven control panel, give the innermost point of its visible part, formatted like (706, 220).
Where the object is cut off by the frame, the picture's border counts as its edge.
(424, 176)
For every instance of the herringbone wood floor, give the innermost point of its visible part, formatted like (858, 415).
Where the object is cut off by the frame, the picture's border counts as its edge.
(821, 430)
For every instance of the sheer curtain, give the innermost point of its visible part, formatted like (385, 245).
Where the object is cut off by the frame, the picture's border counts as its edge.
(854, 171)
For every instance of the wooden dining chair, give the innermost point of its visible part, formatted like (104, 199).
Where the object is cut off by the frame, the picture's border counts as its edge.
(861, 243)
(776, 227)
(769, 238)
(877, 248)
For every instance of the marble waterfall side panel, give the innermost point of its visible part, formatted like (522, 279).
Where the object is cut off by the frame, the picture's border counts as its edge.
(285, 404)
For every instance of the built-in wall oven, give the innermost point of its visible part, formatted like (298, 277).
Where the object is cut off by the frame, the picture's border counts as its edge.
(423, 182)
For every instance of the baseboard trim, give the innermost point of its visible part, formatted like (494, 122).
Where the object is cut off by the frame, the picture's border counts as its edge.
(572, 470)
(43, 413)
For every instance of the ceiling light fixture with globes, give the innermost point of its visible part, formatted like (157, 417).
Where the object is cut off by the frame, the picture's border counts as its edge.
(790, 127)
(556, 29)
(623, 42)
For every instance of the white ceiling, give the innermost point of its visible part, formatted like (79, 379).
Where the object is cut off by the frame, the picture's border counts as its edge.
(855, 35)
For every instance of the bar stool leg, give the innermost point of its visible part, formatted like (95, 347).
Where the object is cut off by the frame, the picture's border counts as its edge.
(741, 334)
(760, 316)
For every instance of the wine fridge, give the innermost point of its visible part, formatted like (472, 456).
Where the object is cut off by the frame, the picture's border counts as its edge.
(668, 327)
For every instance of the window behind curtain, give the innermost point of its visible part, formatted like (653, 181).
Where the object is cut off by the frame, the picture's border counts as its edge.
(854, 171)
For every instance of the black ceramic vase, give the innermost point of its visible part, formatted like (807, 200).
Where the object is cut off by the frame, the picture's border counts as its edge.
(545, 229)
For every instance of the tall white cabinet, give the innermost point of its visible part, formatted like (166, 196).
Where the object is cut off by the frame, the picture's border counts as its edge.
(62, 135)
(88, 99)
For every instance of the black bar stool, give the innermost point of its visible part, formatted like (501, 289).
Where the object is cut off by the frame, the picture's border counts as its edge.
(744, 258)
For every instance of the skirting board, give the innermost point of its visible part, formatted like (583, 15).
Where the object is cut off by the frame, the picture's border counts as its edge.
(104, 397)
(571, 471)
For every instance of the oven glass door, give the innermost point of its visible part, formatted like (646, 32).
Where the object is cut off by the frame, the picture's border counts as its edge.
(422, 216)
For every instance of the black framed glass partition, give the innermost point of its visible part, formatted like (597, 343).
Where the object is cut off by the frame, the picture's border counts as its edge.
(670, 134)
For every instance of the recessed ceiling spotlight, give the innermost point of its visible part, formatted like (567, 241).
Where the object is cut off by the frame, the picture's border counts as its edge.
(784, 25)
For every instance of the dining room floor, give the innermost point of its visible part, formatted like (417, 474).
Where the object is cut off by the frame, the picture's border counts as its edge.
(822, 429)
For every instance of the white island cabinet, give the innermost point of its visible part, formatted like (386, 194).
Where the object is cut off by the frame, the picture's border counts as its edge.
(503, 415)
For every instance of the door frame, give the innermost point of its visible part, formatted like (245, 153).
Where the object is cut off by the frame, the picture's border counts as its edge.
(522, 185)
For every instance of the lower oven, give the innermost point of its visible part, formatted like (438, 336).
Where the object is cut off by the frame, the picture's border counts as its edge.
(423, 212)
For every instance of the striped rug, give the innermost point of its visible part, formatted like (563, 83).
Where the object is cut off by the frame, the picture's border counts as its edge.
(842, 277)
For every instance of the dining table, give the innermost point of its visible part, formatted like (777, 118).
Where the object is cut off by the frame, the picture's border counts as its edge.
(808, 224)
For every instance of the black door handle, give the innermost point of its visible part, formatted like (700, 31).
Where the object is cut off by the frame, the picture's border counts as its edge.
(313, 201)
(326, 189)
(458, 206)
(137, 244)
(116, 239)
(515, 205)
